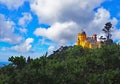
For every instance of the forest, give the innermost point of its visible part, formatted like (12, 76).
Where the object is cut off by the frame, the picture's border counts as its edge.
(67, 65)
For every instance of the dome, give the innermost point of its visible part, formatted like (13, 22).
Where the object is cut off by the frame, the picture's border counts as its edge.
(82, 32)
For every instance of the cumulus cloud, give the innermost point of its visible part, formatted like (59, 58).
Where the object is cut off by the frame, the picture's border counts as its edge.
(59, 32)
(63, 28)
(50, 11)
(102, 16)
(23, 21)
(13, 4)
(24, 47)
(68, 17)
(7, 31)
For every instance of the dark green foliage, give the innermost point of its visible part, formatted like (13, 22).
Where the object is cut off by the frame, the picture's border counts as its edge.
(19, 62)
(67, 65)
(29, 59)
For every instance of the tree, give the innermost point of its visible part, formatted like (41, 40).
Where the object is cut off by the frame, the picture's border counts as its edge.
(19, 62)
(29, 59)
(79, 66)
(107, 30)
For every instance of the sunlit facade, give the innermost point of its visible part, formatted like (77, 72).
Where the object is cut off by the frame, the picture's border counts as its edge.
(87, 42)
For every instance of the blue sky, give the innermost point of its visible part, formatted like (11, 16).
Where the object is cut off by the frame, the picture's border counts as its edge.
(34, 27)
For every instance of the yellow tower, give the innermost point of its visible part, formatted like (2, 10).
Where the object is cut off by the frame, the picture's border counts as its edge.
(82, 40)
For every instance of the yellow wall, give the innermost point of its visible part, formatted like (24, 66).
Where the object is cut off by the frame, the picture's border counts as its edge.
(82, 37)
(82, 41)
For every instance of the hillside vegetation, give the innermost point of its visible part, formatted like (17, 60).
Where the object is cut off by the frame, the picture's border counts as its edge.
(67, 65)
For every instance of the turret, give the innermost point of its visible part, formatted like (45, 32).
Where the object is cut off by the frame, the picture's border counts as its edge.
(82, 36)
(94, 37)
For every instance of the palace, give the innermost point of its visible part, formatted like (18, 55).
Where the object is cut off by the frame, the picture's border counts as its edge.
(87, 42)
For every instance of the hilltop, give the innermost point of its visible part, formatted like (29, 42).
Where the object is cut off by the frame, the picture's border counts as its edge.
(67, 65)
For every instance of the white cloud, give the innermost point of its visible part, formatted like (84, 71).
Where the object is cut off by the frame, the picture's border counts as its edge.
(7, 31)
(68, 17)
(24, 47)
(116, 34)
(50, 11)
(45, 41)
(102, 16)
(13, 4)
(59, 32)
(23, 30)
(51, 49)
(65, 32)
(23, 21)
